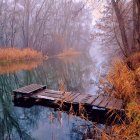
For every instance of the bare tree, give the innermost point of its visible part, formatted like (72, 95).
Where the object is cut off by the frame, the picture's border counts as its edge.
(136, 25)
(121, 26)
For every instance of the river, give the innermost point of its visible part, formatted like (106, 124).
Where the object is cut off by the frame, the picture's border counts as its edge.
(38, 122)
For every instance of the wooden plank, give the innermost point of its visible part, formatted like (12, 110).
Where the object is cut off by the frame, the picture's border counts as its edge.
(32, 87)
(53, 91)
(111, 103)
(73, 96)
(118, 105)
(91, 99)
(46, 97)
(98, 100)
(79, 98)
(67, 96)
(84, 100)
(29, 89)
(105, 101)
(50, 95)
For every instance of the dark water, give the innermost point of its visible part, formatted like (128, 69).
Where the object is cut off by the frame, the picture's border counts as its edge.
(38, 122)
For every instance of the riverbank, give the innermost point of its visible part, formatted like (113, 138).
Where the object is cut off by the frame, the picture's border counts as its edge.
(123, 82)
(10, 55)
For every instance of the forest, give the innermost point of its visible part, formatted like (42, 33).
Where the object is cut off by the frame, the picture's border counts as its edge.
(47, 26)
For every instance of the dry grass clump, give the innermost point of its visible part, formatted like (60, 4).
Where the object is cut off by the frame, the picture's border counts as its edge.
(124, 77)
(14, 54)
(130, 131)
(68, 52)
(122, 80)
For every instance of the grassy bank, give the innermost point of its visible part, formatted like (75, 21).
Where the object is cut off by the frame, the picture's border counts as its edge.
(123, 82)
(124, 78)
(9, 55)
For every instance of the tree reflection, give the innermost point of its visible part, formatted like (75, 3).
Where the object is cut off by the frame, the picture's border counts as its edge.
(9, 124)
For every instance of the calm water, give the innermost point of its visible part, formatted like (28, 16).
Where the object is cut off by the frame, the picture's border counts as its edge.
(43, 123)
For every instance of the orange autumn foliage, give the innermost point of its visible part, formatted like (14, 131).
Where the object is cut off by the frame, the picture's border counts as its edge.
(131, 130)
(122, 80)
(14, 54)
(124, 76)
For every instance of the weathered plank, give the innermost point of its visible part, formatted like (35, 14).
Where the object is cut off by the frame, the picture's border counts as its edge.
(50, 95)
(86, 98)
(118, 105)
(29, 89)
(53, 91)
(73, 96)
(79, 98)
(111, 103)
(46, 97)
(105, 101)
(67, 96)
(91, 99)
(98, 100)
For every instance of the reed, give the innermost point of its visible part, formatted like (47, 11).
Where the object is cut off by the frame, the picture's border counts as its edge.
(124, 78)
(14, 54)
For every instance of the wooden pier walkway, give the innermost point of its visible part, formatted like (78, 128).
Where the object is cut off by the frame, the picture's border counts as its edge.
(39, 92)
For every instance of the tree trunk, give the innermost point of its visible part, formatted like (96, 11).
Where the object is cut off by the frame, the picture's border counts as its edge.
(26, 23)
(121, 27)
(136, 25)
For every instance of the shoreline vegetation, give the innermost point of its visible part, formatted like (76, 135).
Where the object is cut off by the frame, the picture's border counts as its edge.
(12, 55)
(123, 82)
(13, 59)
(124, 78)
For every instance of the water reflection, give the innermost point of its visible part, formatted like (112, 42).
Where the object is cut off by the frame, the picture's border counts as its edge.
(39, 122)
(13, 67)
(9, 122)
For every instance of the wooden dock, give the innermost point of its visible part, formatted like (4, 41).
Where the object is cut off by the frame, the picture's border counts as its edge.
(98, 108)
(39, 92)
